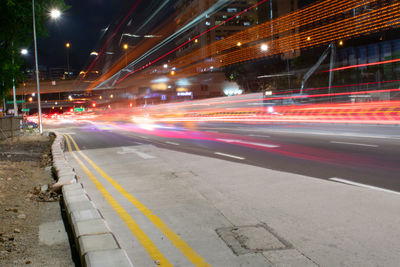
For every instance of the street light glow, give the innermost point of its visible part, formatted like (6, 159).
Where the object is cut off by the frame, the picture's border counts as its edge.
(24, 51)
(94, 53)
(67, 45)
(125, 46)
(55, 13)
(264, 47)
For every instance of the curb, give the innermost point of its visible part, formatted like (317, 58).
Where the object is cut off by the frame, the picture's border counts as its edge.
(96, 244)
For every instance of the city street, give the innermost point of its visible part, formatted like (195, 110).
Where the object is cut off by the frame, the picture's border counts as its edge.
(203, 133)
(287, 187)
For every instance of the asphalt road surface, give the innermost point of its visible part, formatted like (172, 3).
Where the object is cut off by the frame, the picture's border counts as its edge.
(363, 154)
(246, 175)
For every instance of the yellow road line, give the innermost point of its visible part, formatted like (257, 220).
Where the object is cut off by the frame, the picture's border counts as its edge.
(186, 250)
(146, 242)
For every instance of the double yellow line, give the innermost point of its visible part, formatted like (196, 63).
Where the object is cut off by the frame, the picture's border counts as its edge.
(146, 242)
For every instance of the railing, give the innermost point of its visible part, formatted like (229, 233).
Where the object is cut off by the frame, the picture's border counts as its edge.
(10, 127)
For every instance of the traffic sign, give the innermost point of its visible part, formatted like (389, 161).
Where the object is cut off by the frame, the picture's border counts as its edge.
(25, 109)
(18, 102)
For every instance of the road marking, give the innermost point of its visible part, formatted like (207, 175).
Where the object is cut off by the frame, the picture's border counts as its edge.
(172, 143)
(144, 137)
(258, 135)
(146, 242)
(228, 155)
(363, 185)
(334, 134)
(130, 150)
(354, 144)
(195, 258)
(247, 143)
(136, 143)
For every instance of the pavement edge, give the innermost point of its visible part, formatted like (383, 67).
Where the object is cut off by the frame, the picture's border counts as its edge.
(96, 244)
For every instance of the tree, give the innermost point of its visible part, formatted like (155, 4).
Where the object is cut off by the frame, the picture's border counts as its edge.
(16, 31)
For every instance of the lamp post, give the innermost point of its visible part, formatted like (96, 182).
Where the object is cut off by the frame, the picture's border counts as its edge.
(67, 46)
(13, 80)
(125, 46)
(54, 14)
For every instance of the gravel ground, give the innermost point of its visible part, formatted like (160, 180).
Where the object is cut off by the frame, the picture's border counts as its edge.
(31, 227)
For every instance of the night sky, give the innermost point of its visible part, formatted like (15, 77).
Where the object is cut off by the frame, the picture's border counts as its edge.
(80, 26)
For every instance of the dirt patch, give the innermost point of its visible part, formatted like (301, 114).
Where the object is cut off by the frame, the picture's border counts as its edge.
(29, 214)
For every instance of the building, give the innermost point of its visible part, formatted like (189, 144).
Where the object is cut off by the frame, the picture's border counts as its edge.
(230, 25)
(191, 10)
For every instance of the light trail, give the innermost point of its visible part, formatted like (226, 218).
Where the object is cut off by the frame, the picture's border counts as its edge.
(365, 65)
(335, 86)
(111, 37)
(380, 18)
(191, 40)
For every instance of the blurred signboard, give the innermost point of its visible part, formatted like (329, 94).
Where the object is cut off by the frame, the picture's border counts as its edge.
(18, 102)
(79, 109)
(184, 93)
(25, 109)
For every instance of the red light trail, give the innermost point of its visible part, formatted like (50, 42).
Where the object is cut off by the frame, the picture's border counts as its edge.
(365, 65)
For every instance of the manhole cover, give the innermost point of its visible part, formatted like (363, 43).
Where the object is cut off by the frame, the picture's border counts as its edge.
(253, 238)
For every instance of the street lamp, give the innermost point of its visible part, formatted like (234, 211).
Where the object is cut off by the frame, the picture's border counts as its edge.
(264, 47)
(55, 14)
(67, 45)
(125, 46)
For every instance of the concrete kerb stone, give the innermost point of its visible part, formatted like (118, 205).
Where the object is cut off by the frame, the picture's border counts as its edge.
(90, 243)
(69, 199)
(78, 206)
(85, 215)
(67, 176)
(72, 187)
(64, 167)
(113, 257)
(61, 163)
(66, 172)
(96, 244)
(90, 227)
(72, 193)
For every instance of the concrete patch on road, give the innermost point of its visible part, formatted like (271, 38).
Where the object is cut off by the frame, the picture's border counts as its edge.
(252, 239)
(288, 257)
